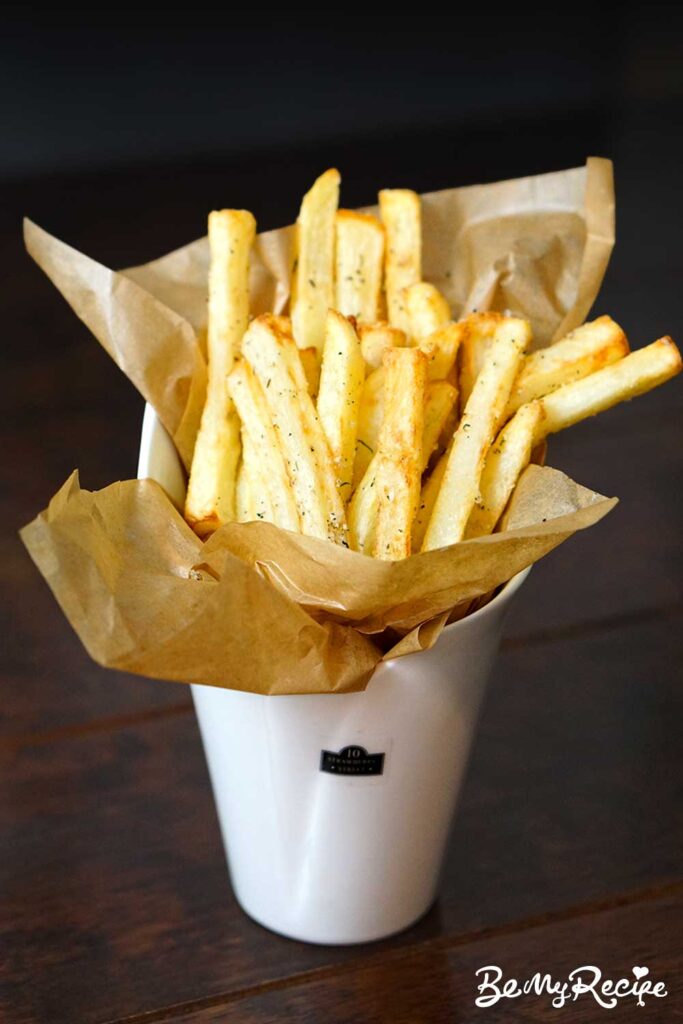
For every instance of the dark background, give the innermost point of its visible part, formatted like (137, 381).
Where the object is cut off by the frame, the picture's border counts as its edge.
(119, 129)
(111, 87)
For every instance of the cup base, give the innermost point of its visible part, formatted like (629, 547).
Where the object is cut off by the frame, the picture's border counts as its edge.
(316, 939)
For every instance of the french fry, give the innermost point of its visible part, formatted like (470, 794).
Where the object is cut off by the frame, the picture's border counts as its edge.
(440, 397)
(210, 500)
(401, 215)
(253, 500)
(272, 355)
(375, 339)
(479, 331)
(264, 446)
(244, 509)
(362, 511)
(310, 360)
(631, 376)
(341, 387)
(313, 269)
(370, 414)
(587, 349)
(359, 261)
(507, 457)
(363, 508)
(472, 439)
(400, 451)
(428, 496)
(426, 308)
(441, 348)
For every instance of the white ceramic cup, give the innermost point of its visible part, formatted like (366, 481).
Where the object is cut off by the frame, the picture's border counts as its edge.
(335, 809)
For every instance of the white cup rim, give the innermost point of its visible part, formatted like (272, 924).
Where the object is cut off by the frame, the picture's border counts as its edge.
(505, 594)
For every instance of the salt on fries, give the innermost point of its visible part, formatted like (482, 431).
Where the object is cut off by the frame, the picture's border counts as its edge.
(372, 418)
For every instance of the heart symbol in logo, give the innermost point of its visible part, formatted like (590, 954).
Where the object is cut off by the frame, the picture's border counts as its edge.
(640, 972)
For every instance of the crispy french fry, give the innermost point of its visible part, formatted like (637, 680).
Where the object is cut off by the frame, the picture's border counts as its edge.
(359, 261)
(310, 360)
(292, 356)
(363, 508)
(375, 339)
(401, 215)
(428, 496)
(587, 349)
(631, 376)
(341, 387)
(370, 414)
(426, 308)
(472, 439)
(440, 397)
(400, 451)
(507, 457)
(441, 348)
(274, 358)
(253, 501)
(479, 331)
(313, 270)
(250, 402)
(210, 500)
(271, 352)
(362, 511)
(244, 509)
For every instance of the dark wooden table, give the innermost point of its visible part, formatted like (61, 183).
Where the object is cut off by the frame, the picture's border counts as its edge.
(114, 898)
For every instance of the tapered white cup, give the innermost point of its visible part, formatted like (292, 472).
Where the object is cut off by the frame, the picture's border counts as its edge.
(335, 809)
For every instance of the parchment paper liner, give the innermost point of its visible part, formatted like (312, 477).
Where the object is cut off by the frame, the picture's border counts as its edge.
(257, 608)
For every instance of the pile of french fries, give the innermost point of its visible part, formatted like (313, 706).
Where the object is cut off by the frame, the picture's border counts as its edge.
(369, 416)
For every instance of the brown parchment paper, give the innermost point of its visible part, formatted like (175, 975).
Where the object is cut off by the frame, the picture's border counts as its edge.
(255, 607)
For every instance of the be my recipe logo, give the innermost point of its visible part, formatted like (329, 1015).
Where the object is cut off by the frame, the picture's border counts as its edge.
(584, 981)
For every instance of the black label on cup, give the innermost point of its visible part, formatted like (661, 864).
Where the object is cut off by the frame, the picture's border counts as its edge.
(351, 761)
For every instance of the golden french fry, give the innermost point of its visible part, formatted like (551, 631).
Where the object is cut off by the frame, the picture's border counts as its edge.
(428, 496)
(426, 308)
(313, 270)
(400, 451)
(272, 355)
(479, 331)
(587, 349)
(507, 457)
(370, 414)
(362, 511)
(244, 510)
(631, 376)
(250, 402)
(440, 398)
(472, 439)
(252, 497)
(363, 508)
(441, 348)
(210, 500)
(292, 357)
(310, 360)
(401, 215)
(359, 261)
(375, 339)
(341, 387)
